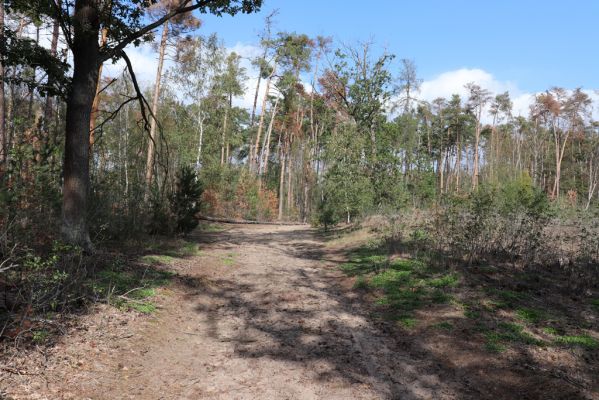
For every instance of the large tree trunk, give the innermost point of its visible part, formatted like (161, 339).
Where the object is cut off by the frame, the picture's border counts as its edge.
(79, 103)
(96, 103)
(152, 142)
(254, 154)
(3, 139)
(201, 140)
(476, 146)
(48, 107)
(224, 135)
(263, 169)
(281, 181)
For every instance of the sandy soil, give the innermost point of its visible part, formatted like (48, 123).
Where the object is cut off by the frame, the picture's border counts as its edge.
(279, 321)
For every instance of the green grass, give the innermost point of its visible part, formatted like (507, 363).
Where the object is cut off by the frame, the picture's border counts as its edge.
(505, 333)
(361, 283)
(549, 330)
(506, 298)
(445, 325)
(160, 259)
(580, 340)
(403, 285)
(212, 228)
(444, 281)
(530, 315)
(407, 322)
(166, 255)
(129, 289)
(229, 259)
(40, 335)
(493, 343)
(595, 304)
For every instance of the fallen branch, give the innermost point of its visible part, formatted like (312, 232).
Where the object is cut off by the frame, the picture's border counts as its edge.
(246, 222)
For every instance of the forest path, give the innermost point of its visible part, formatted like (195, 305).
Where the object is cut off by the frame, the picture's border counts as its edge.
(263, 314)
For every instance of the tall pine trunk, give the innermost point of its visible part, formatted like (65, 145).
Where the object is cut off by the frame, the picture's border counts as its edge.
(281, 180)
(96, 103)
(81, 96)
(254, 154)
(48, 107)
(152, 142)
(3, 138)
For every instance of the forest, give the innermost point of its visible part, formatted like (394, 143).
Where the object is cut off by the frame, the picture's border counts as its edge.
(460, 225)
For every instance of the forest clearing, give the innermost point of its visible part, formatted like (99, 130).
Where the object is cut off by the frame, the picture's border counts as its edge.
(266, 199)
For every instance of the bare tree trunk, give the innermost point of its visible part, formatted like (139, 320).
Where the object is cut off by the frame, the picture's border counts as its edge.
(3, 138)
(152, 142)
(224, 136)
(254, 155)
(281, 181)
(289, 176)
(263, 167)
(48, 108)
(458, 170)
(96, 104)
(476, 146)
(81, 96)
(201, 141)
(593, 175)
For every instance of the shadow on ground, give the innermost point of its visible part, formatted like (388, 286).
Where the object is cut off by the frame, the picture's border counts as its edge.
(324, 320)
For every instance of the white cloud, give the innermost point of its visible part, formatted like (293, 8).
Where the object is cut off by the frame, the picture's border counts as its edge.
(453, 82)
(144, 60)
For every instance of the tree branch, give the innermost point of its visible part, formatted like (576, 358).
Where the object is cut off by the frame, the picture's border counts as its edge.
(183, 8)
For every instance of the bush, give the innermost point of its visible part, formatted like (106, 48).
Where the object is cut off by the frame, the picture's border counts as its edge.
(502, 222)
(185, 201)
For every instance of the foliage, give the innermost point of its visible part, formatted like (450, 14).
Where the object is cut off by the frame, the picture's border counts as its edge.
(185, 201)
(495, 222)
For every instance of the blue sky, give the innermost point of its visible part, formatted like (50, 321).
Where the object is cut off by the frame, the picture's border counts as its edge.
(531, 44)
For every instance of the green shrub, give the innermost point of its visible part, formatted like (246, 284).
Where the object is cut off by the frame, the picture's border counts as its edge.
(185, 201)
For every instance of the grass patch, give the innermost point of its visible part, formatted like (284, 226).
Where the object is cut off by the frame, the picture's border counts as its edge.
(493, 343)
(166, 255)
(509, 333)
(210, 228)
(402, 284)
(471, 313)
(40, 335)
(506, 298)
(440, 297)
(361, 283)
(407, 322)
(595, 304)
(549, 330)
(229, 259)
(130, 289)
(444, 281)
(584, 341)
(530, 315)
(161, 259)
(445, 325)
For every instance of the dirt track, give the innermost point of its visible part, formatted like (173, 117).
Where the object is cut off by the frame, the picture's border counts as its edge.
(275, 325)
(263, 312)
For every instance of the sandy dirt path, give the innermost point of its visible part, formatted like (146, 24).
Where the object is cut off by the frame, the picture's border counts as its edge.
(276, 323)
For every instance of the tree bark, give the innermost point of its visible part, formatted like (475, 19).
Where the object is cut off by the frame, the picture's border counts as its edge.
(48, 107)
(281, 182)
(96, 103)
(76, 162)
(3, 138)
(152, 142)
(261, 123)
(476, 146)
(266, 148)
(224, 134)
